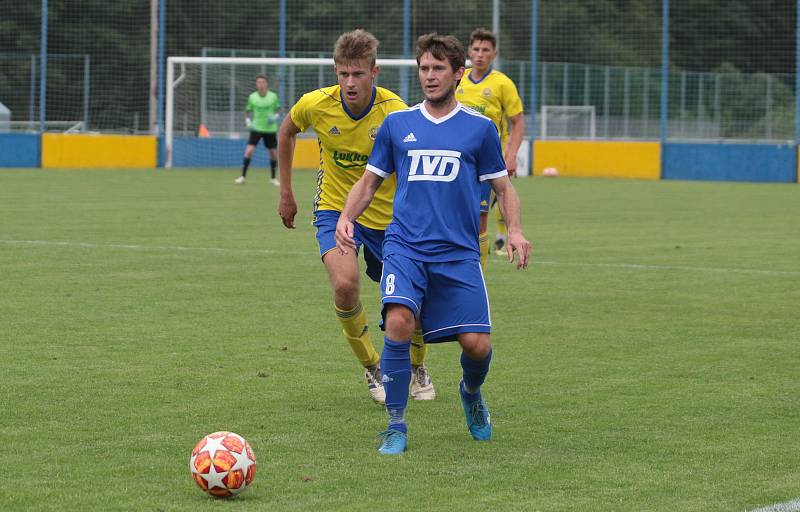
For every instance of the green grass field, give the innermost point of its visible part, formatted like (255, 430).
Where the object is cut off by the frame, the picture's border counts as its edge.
(647, 360)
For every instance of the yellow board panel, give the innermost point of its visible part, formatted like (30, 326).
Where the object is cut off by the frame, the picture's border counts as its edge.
(599, 159)
(81, 151)
(306, 154)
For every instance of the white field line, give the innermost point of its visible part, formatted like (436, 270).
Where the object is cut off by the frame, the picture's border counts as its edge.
(172, 248)
(178, 248)
(636, 266)
(786, 506)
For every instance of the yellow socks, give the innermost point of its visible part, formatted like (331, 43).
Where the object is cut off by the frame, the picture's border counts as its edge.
(484, 242)
(502, 229)
(354, 328)
(418, 349)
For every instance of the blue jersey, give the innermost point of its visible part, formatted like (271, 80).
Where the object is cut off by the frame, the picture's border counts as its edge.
(439, 164)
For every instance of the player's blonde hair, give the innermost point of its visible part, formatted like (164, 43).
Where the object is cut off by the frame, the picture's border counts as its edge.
(354, 46)
(447, 48)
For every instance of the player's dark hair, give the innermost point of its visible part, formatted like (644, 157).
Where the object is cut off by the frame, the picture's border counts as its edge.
(483, 34)
(261, 75)
(447, 48)
(354, 46)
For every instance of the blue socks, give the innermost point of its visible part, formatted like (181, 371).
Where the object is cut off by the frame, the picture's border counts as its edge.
(475, 373)
(396, 369)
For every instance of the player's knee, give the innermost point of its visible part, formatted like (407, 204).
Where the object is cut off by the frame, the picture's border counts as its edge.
(475, 345)
(400, 322)
(345, 289)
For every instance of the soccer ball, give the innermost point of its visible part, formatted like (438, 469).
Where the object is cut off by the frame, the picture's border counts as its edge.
(550, 172)
(223, 464)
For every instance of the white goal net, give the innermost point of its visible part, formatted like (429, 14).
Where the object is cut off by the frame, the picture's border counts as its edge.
(568, 122)
(206, 99)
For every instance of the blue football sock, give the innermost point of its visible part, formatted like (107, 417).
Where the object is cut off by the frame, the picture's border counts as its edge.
(475, 372)
(396, 369)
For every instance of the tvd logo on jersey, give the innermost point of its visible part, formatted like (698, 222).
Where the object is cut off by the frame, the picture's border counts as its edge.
(433, 165)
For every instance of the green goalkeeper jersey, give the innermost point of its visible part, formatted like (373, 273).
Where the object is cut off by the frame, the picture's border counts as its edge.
(264, 109)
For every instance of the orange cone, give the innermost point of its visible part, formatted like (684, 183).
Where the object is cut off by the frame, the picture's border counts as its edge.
(203, 131)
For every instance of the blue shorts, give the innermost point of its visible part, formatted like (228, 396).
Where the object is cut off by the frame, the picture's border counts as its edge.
(372, 240)
(486, 196)
(449, 298)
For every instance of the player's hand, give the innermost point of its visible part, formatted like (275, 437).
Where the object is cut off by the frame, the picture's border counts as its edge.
(287, 209)
(511, 166)
(518, 244)
(248, 122)
(344, 235)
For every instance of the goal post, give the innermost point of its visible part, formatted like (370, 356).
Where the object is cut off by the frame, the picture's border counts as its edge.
(212, 92)
(568, 122)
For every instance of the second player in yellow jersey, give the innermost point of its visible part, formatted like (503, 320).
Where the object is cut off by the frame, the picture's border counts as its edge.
(346, 118)
(345, 141)
(494, 95)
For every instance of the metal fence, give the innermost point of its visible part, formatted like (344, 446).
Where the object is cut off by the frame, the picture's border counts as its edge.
(649, 69)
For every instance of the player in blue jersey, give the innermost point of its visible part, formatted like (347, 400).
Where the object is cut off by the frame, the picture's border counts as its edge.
(441, 152)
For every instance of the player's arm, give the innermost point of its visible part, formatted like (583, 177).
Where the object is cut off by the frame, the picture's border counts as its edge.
(287, 137)
(357, 201)
(517, 123)
(508, 200)
(248, 114)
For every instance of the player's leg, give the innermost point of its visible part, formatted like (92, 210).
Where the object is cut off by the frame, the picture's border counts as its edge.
(421, 382)
(342, 272)
(396, 363)
(402, 288)
(476, 356)
(483, 238)
(271, 141)
(457, 306)
(248, 155)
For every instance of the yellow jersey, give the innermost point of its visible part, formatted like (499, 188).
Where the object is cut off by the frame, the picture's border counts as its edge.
(345, 142)
(494, 96)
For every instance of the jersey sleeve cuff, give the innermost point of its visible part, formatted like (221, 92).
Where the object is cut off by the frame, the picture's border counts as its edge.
(493, 176)
(379, 172)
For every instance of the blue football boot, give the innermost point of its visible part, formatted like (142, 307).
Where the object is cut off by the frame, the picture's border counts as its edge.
(393, 442)
(477, 414)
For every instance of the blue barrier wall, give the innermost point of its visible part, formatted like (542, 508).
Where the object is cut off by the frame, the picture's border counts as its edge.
(19, 150)
(200, 152)
(729, 162)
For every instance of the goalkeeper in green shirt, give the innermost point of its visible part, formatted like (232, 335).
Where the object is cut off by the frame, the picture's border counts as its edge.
(261, 117)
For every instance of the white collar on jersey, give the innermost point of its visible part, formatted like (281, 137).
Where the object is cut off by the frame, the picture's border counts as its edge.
(439, 120)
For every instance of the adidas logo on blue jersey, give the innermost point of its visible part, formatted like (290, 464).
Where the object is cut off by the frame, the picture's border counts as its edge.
(334, 131)
(410, 138)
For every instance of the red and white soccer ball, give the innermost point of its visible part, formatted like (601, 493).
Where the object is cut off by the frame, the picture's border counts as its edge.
(550, 172)
(223, 464)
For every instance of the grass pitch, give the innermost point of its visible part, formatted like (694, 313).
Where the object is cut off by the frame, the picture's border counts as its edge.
(647, 360)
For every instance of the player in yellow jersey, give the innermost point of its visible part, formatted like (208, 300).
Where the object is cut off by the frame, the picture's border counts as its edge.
(494, 95)
(346, 118)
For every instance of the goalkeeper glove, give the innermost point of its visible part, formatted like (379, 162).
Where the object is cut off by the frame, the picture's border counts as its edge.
(248, 122)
